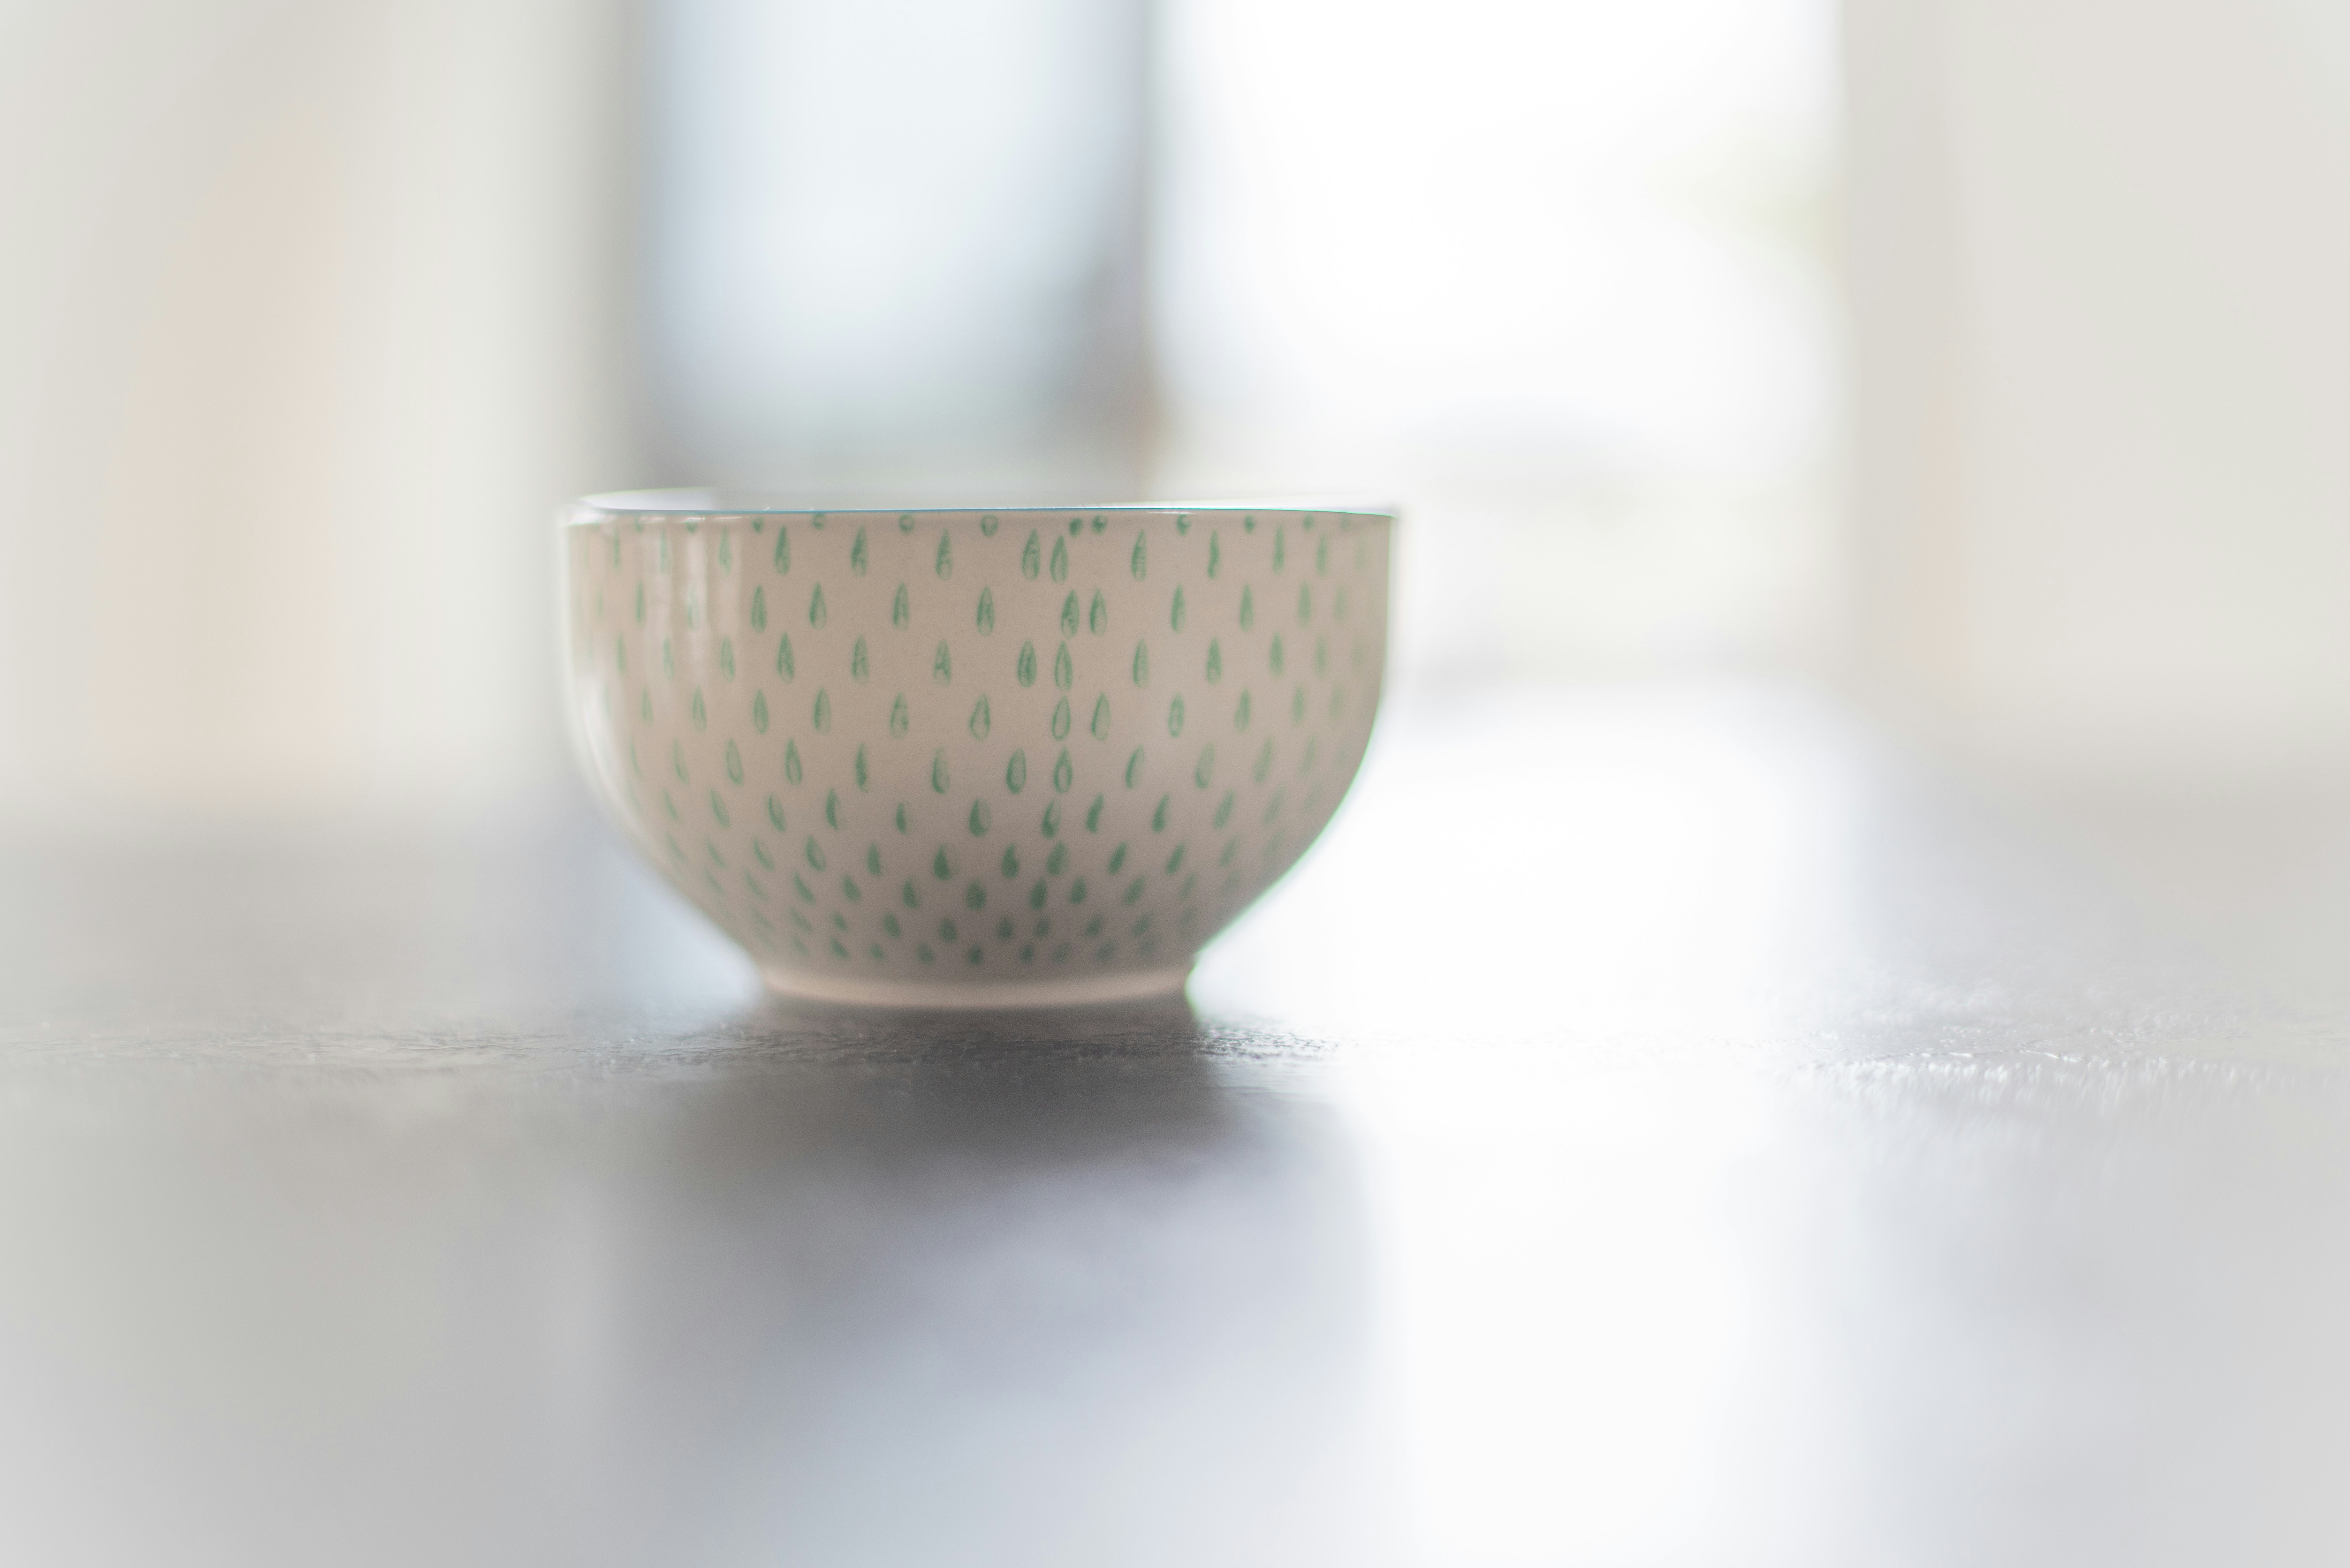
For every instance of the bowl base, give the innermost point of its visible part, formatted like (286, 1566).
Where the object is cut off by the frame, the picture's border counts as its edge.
(1077, 990)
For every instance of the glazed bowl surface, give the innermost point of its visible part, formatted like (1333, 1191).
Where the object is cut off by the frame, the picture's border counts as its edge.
(949, 757)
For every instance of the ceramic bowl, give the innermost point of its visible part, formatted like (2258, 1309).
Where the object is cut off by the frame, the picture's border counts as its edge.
(967, 758)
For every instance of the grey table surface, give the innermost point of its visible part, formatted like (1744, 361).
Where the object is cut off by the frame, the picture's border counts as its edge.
(1654, 1126)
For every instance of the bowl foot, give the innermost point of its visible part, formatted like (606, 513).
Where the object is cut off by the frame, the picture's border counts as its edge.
(1128, 985)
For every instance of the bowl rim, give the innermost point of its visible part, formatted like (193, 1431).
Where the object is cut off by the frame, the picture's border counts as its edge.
(699, 505)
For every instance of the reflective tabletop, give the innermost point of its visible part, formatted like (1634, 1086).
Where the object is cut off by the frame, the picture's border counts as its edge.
(1671, 1125)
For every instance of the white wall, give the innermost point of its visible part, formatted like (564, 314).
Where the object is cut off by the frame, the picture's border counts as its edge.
(2101, 275)
(307, 315)
(1557, 275)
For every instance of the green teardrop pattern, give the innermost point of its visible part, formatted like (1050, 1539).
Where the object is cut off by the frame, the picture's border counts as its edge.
(1220, 843)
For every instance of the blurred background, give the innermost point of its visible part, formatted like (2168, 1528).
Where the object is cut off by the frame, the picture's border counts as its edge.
(1989, 361)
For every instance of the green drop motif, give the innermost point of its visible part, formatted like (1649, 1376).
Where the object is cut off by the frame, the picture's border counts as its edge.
(746, 879)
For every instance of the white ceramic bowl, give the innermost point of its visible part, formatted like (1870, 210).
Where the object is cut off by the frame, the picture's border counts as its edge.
(967, 758)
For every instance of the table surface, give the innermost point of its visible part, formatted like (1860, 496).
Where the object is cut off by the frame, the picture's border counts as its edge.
(1662, 1126)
